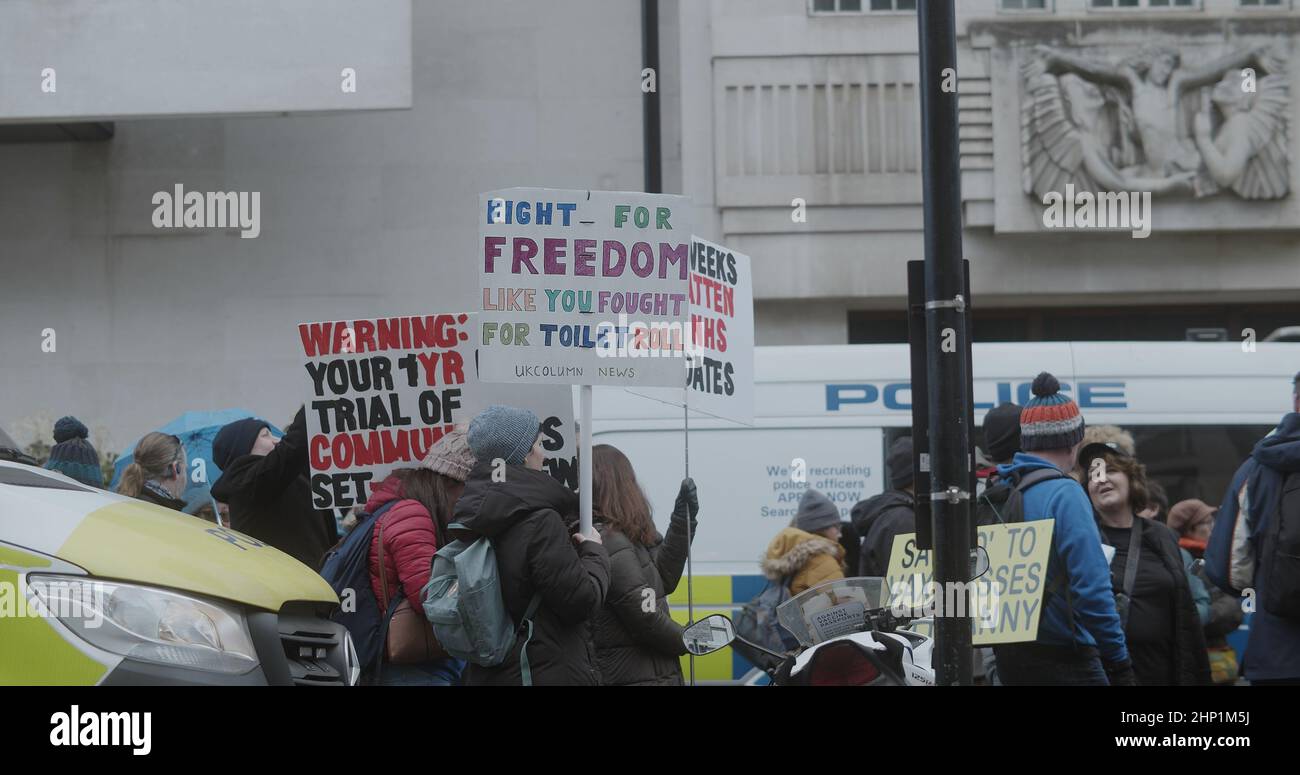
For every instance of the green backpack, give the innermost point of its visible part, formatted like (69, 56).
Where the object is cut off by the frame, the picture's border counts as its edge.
(464, 604)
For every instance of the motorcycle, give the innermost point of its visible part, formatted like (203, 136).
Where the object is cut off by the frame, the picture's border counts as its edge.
(849, 633)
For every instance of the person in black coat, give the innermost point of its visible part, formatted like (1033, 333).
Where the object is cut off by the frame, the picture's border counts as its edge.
(264, 482)
(1162, 627)
(637, 641)
(880, 518)
(531, 520)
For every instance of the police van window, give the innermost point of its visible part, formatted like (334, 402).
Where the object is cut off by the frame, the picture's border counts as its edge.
(1195, 461)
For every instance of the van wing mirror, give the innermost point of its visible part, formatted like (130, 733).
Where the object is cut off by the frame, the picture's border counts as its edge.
(979, 562)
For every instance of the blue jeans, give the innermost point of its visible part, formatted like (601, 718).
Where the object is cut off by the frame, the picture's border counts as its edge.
(440, 672)
(1037, 664)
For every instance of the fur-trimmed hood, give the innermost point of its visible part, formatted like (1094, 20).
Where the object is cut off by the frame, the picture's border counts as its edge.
(793, 548)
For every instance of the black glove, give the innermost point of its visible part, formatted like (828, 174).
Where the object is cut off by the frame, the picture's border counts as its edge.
(1120, 673)
(686, 501)
(781, 674)
(299, 419)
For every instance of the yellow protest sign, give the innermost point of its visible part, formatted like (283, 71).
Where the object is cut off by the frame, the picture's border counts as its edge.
(1005, 604)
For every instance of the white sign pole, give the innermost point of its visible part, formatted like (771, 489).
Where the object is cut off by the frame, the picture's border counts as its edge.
(584, 463)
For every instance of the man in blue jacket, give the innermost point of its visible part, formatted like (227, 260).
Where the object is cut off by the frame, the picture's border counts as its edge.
(1244, 552)
(1080, 638)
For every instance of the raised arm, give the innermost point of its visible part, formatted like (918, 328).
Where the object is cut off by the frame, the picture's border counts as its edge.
(1058, 62)
(272, 474)
(1195, 76)
(670, 556)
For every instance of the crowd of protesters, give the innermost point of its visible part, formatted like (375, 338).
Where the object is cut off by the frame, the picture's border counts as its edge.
(1136, 592)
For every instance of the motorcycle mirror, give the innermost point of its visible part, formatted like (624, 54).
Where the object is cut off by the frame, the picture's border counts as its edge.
(708, 635)
(979, 562)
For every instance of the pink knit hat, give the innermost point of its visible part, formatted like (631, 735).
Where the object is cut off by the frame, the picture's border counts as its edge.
(451, 456)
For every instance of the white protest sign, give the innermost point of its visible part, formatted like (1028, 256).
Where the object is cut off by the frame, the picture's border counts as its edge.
(582, 287)
(720, 376)
(384, 390)
(1005, 604)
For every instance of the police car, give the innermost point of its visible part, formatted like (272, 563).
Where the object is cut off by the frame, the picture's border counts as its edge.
(97, 588)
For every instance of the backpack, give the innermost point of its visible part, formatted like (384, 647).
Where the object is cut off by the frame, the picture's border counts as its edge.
(1003, 502)
(1280, 596)
(757, 624)
(347, 569)
(463, 602)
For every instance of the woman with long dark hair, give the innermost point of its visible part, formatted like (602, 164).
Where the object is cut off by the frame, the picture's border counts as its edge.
(637, 642)
(417, 504)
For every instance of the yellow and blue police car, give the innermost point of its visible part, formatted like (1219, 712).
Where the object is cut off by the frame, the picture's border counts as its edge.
(97, 588)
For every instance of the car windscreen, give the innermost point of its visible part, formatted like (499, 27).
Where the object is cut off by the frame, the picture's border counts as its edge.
(21, 477)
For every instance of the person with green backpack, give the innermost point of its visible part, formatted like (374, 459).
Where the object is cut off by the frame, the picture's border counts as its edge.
(518, 566)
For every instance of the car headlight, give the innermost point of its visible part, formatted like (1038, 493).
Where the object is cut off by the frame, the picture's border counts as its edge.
(149, 624)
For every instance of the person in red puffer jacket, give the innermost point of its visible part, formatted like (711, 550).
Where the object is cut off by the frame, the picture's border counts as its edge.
(421, 505)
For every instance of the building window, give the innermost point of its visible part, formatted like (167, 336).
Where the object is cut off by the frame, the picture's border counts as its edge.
(1125, 5)
(1262, 3)
(863, 6)
(1022, 5)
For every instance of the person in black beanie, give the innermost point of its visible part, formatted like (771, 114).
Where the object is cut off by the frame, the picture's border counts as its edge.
(880, 518)
(264, 482)
(1001, 443)
(72, 455)
(1002, 432)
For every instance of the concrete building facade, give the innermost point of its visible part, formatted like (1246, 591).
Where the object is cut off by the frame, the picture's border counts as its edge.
(823, 107)
(794, 125)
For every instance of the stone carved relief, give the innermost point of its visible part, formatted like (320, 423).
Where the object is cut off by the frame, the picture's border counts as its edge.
(1155, 123)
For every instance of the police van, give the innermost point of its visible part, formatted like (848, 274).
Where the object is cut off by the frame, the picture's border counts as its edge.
(98, 588)
(825, 416)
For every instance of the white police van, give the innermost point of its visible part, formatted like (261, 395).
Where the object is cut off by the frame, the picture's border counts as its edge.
(830, 412)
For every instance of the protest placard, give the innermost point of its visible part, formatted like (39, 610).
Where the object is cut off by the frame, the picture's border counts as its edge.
(583, 287)
(720, 374)
(384, 390)
(1005, 604)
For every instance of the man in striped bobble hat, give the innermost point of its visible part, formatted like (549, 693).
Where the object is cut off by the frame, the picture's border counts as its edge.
(1080, 638)
(1051, 420)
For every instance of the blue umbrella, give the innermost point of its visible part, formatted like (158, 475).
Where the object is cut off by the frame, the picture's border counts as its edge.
(196, 430)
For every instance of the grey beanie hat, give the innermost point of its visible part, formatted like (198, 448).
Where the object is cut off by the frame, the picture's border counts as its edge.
(505, 432)
(816, 512)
